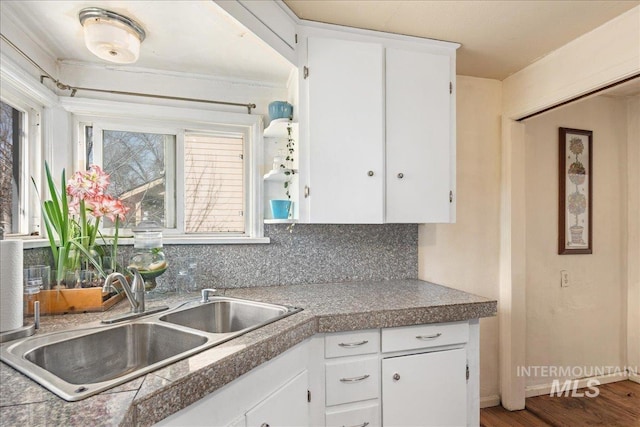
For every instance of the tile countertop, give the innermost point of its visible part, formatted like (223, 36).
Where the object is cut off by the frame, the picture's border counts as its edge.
(152, 397)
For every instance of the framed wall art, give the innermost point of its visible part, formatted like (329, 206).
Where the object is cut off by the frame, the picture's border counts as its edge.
(575, 229)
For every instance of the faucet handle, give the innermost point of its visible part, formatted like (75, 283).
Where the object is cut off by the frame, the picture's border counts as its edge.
(137, 279)
(205, 294)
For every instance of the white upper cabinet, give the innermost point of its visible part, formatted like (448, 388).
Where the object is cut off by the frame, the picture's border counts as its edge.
(377, 120)
(345, 131)
(418, 140)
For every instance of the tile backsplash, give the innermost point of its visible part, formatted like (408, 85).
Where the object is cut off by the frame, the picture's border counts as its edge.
(301, 254)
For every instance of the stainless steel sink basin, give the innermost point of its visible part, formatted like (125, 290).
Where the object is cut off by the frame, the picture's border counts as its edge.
(112, 353)
(223, 315)
(78, 363)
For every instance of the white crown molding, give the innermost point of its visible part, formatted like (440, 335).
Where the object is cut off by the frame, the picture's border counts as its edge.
(14, 77)
(167, 73)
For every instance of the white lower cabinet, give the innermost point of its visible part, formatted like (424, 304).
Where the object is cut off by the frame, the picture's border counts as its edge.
(367, 415)
(352, 380)
(288, 406)
(400, 377)
(272, 394)
(427, 389)
(391, 377)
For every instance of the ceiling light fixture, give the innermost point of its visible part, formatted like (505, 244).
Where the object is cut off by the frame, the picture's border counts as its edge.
(111, 36)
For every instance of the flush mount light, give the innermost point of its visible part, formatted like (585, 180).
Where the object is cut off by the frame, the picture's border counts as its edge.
(111, 36)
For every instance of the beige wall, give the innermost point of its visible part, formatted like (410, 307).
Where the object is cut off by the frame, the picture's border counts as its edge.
(633, 235)
(583, 324)
(465, 255)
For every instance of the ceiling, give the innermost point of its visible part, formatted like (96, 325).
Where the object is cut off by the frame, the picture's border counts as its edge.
(498, 37)
(182, 36)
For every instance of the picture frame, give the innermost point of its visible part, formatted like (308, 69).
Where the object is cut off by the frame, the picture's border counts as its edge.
(575, 218)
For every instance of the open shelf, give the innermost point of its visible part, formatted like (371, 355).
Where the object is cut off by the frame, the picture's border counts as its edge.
(278, 128)
(279, 175)
(281, 221)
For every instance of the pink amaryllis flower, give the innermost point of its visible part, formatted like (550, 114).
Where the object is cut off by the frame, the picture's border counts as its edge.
(110, 207)
(89, 184)
(99, 177)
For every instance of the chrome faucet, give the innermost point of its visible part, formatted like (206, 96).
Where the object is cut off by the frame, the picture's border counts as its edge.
(135, 295)
(135, 292)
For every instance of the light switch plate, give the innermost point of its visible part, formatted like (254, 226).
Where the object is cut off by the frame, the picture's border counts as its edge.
(564, 278)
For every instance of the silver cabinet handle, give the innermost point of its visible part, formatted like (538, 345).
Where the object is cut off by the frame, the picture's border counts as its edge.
(264, 425)
(400, 175)
(429, 337)
(370, 173)
(306, 191)
(353, 344)
(354, 379)
(364, 424)
(396, 376)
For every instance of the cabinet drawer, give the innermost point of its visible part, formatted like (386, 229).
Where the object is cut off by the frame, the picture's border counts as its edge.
(352, 381)
(351, 343)
(363, 416)
(424, 336)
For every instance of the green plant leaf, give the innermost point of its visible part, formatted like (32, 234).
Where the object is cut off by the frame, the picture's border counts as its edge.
(86, 253)
(56, 212)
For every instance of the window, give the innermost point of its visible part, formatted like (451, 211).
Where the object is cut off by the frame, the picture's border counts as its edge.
(214, 184)
(23, 103)
(137, 163)
(19, 162)
(199, 178)
(11, 131)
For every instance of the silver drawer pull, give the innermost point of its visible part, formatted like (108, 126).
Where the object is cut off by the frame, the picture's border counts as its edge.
(353, 344)
(429, 337)
(354, 379)
(364, 424)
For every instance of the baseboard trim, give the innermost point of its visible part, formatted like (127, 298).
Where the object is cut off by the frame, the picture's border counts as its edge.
(634, 377)
(542, 389)
(489, 401)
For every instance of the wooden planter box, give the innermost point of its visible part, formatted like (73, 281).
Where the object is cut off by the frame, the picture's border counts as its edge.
(79, 300)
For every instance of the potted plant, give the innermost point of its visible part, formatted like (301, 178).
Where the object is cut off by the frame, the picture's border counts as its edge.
(72, 220)
(282, 209)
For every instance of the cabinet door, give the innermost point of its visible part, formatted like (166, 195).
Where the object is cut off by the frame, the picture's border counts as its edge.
(419, 144)
(346, 131)
(426, 389)
(287, 406)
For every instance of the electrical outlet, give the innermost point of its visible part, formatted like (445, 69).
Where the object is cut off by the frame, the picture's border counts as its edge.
(564, 278)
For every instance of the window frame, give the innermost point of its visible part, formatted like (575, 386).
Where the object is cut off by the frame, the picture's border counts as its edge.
(161, 119)
(171, 156)
(26, 94)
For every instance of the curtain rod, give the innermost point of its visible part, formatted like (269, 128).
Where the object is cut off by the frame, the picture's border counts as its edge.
(74, 89)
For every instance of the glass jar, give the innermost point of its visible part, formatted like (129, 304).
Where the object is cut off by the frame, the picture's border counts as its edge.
(148, 257)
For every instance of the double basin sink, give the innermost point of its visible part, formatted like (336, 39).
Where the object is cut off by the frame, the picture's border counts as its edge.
(79, 363)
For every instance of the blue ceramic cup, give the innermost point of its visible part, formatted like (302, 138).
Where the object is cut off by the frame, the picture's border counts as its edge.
(280, 208)
(280, 110)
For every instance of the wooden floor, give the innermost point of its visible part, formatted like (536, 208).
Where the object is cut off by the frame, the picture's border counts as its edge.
(617, 405)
